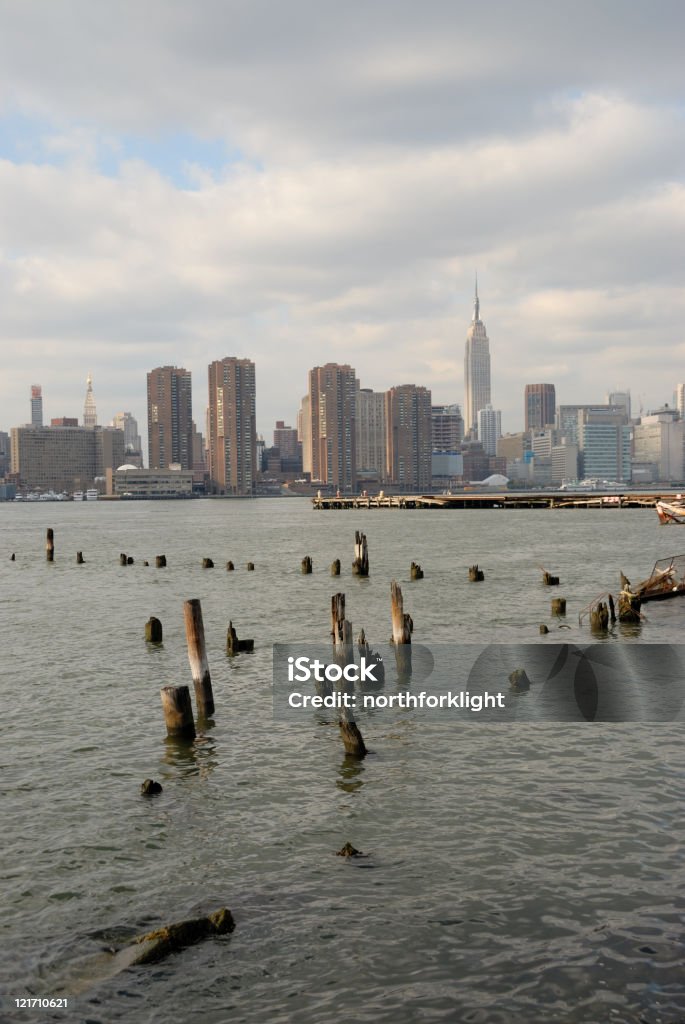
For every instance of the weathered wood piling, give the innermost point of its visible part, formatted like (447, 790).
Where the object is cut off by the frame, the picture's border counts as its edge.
(402, 623)
(236, 646)
(79, 558)
(415, 571)
(178, 712)
(207, 563)
(360, 566)
(558, 606)
(476, 575)
(519, 681)
(335, 567)
(548, 579)
(160, 561)
(306, 565)
(599, 617)
(50, 545)
(123, 560)
(197, 656)
(629, 605)
(153, 631)
(341, 632)
(230, 566)
(250, 566)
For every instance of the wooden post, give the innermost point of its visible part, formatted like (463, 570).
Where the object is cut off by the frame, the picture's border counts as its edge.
(306, 565)
(415, 571)
(558, 606)
(13, 558)
(360, 566)
(230, 567)
(250, 566)
(79, 558)
(612, 609)
(197, 656)
(629, 607)
(236, 646)
(402, 624)
(129, 560)
(207, 563)
(337, 616)
(335, 567)
(599, 617)
(178, 711)
(50, 546)
(352, 738)
(476, 575)
(548, 579)
(122, 559)
(160, 561)
(153, 631)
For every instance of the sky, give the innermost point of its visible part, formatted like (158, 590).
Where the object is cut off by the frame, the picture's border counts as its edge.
(307, 181)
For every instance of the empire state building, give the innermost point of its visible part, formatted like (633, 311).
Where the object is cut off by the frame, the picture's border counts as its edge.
(476, 370)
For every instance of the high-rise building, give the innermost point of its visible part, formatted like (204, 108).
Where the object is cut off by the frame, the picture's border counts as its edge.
(285, 439)
(658, 439)
(620, 399)
(448, 428)
(169, 418)
(476, 370)
(129, 424)
(568, 418)
(90, 416)
(409, 437)
(36, 405)
(680, 400)
(489, 428)
(540, 406)
(304, 433)
(232, 438)
(370, 420)
(332, 414)
(605, 442)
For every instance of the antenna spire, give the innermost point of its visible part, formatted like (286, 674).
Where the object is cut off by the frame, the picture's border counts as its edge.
(476, 303)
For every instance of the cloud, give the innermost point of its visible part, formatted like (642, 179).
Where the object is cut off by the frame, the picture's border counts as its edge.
(306, 182)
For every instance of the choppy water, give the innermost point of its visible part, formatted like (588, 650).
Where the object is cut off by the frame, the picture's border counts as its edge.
(518, 873)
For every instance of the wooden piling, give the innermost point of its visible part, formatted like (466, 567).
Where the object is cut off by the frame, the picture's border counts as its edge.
(543, 628)
(230, 566)
(160, 561)
(123, 560)
(360, 566)
(129, 560)
(13, 557)
(306, 565)
(153, 631)
(548, 579)
(415, 571)
(335, 567)
(337, 616)
(197, 656)
(558, 606)
(402, 624)
(519, 681)
(612, 609)
(250, 566)
(599, 617)
(352, 738)
(79, 558)
(236, 646)
(476, 575)
(50, 545)
(207, 563)
(178, 711)
(629, 605)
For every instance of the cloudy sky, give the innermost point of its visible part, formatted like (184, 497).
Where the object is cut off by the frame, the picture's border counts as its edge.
(300, 181)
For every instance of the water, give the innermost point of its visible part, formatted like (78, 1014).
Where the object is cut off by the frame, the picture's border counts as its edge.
(513, 873)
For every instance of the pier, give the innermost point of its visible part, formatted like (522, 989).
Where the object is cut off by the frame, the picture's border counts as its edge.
(496, 500)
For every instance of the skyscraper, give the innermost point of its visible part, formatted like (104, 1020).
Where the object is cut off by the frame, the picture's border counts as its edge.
(370, 421)
(489, 428)
(448, 428)
(232, 440)
(36, 405)
(409, 437)
(476, 370)
(332, 411)
(169, 418)
(540, 406)
(128, 423)
(90, 416)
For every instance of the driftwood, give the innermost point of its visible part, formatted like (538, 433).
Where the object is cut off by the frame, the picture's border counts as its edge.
(158, 944)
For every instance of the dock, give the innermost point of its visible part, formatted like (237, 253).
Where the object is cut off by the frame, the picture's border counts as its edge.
(499, 500)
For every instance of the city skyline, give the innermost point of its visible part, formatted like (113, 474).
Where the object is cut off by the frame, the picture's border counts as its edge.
(341, 217)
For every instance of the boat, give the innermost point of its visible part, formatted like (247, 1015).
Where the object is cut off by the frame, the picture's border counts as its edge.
(670, 512)
(78, 495)
(92, 494)
(667, 579)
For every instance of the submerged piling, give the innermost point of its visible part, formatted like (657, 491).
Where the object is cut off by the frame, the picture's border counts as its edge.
(415, 571)
(306, 565)
(153, 631)
(360, 566)
(197, 656)
(79, 558)
(160, 561)
(335, 567)
(476, 575)
(50, 546)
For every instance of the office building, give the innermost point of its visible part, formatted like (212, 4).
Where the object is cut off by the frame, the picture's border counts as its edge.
(621, 400)
(36, 405)
(169, 418)
(540, 406)
(64, 458)
(370, 422)
(447, 428)
(129, 424)
(409, 437)
(232, 440)
(605, 442)
(332, 415)
(489, 428)
(476, 371)
(658, 439)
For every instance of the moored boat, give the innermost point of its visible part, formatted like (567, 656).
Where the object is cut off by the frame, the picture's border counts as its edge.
(667, 579)
(671, 512)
